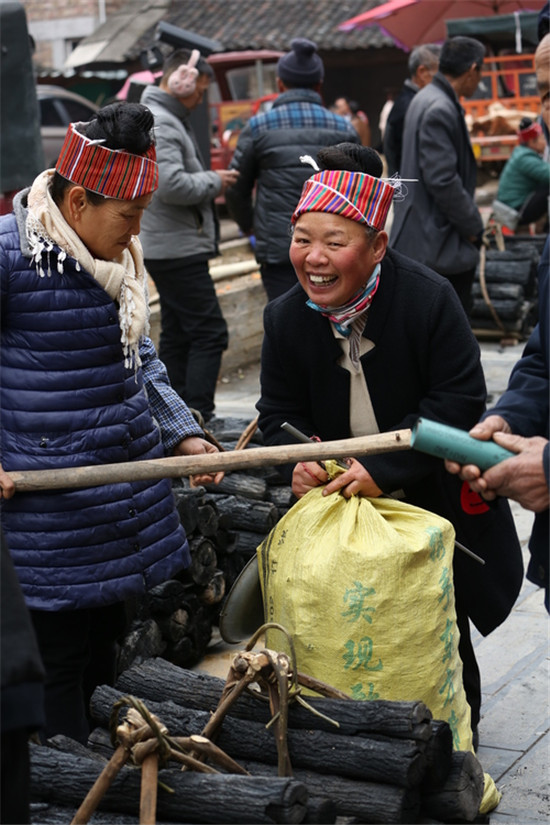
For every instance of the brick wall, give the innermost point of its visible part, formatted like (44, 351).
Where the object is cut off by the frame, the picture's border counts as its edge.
(59, 9)
(57, 24)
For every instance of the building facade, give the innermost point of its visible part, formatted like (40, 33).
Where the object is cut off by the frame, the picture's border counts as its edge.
(57, 26)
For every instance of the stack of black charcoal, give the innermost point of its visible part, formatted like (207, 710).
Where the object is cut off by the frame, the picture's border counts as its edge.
(385, 762)
(511, 287)
(224, 524)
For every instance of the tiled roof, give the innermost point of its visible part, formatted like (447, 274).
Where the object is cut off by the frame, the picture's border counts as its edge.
(272, 24)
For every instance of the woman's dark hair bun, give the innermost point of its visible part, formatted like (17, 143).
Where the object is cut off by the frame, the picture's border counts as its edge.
(123, 126)
(524, 123)
(351, 157)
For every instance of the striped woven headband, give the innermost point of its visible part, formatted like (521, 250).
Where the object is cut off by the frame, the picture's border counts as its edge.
(354, 195)
(112, 173)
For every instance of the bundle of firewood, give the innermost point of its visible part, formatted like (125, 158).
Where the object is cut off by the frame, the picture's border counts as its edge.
(367, 762)
(224, 524)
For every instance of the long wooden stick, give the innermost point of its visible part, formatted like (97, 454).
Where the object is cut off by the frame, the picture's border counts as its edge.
(101, 786)
(95, 475)
(149, 787)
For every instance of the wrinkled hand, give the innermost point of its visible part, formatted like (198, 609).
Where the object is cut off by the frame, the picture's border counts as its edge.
(307, 475)
(195, 445)
(7, 487)
(356, 481)
(483, 431)
(228, 177)
(520, 478)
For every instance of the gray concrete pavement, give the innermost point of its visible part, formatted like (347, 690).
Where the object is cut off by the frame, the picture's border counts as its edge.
(514, 660)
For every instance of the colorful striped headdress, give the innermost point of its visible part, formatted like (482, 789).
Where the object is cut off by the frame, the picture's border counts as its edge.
(353, 195)
(113, 173)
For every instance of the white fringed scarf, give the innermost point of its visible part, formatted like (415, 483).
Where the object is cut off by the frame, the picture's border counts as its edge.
(124, 279)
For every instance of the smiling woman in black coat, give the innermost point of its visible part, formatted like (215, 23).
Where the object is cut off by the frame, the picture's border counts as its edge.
(367, 342)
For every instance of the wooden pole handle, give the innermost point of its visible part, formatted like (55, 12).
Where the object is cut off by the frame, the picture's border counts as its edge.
(95, 475)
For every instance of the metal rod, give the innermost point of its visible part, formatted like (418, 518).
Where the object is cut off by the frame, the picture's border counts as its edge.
(469, 552)
(300, 436)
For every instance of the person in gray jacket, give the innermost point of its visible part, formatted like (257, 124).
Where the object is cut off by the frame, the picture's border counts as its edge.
(422, 65)
(438, 222)
(268, 158)
(179, 235)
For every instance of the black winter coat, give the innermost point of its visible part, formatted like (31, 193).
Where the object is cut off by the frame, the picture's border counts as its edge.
(425, 362)
(268, 158)
(393, 134)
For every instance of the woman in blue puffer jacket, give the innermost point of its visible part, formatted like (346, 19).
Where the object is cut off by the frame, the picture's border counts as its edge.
(81, 384)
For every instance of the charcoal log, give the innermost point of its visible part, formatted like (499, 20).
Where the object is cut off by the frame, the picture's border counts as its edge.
(187, 505)
(282, 497)
(166, 597)
(233, 563)
(460, 797)
(511, 292)
(66, 779)
(143, 641)
(319, 810)
(207, 520)
(99, 742)
(381, 759)
(506, 310)
(224, 540)
(176, 626)
(184, 652)
(242, 514)
(510, 267)
(272, 476)
(246, 542)
(203, 560)
(531, 245)
(190, 649)
(365, 801)
(214, 591)
(231, 429)
(241, 484)
(158, 680)
(63, 743)
(43, 813)
(439, 755)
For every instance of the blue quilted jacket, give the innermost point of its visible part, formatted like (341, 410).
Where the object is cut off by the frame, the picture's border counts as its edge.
(67, 400)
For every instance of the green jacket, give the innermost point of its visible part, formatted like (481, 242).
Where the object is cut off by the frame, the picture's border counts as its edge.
(524, 172)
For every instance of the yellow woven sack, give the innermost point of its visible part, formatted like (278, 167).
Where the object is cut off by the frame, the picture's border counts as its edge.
(365, 588)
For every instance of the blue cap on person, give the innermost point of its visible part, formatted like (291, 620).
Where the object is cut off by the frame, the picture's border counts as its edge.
(302, 66)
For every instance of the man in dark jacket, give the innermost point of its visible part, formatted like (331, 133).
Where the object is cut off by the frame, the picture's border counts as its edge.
(438, 222)
(423, 64)
(519, 422)
(268, 156)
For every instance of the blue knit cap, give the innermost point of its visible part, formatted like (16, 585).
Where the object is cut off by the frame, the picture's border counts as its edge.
(302, 66)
